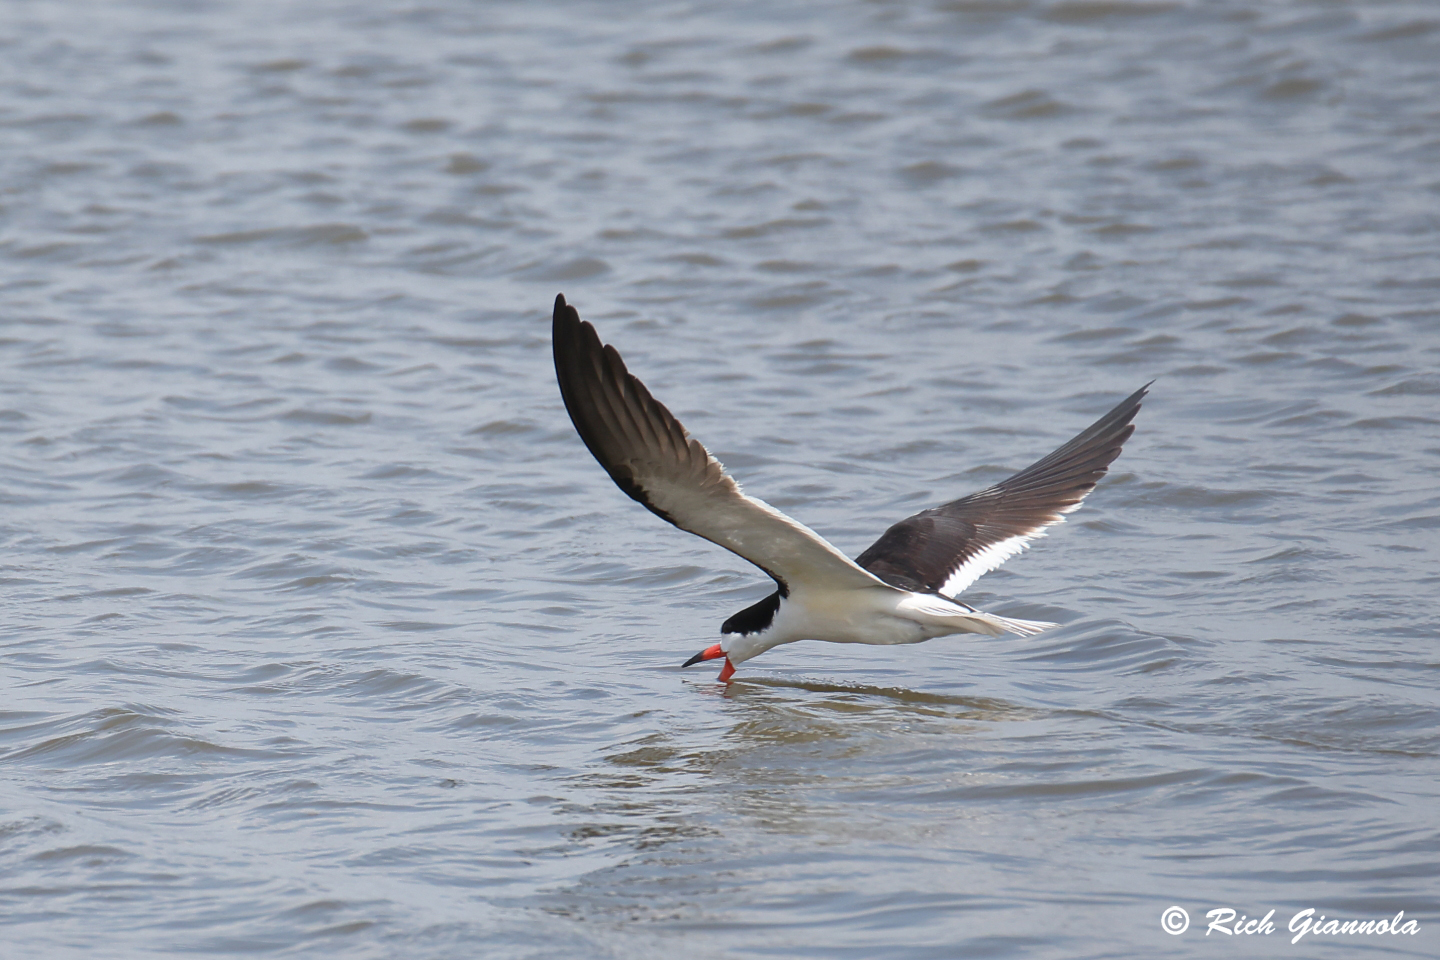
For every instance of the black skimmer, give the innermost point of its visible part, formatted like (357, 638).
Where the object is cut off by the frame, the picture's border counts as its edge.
(901, 590)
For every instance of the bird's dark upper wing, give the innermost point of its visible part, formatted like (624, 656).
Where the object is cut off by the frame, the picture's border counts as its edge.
(945, 549)
(650, 456)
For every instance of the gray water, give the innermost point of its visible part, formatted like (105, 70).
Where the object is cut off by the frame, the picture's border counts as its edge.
(325, 637)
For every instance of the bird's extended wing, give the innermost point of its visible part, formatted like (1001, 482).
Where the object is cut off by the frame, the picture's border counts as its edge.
(945, 549)
(650, 456)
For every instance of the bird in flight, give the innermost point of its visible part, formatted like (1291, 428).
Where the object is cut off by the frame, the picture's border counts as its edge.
(901, 590)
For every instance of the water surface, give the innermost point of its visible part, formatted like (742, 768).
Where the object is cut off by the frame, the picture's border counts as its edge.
(325, 636)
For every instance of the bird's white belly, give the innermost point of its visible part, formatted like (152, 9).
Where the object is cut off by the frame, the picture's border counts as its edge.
(854, 616)
(879, 616)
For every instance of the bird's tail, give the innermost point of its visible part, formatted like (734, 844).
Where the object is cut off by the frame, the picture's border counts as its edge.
(1025, 628)
(970, 620)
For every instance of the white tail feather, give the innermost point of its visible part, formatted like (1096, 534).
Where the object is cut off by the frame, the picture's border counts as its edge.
(1025, 628)
(967, 620)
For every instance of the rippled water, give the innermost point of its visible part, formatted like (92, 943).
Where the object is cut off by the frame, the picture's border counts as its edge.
(325, 636)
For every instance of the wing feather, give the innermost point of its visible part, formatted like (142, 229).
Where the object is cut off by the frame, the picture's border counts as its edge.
(945, 549)
(653, 459)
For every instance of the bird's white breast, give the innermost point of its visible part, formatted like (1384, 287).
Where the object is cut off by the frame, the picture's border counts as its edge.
(879, 615)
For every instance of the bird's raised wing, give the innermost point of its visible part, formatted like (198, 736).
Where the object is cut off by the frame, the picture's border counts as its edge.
(650, 456)
(945, 549)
